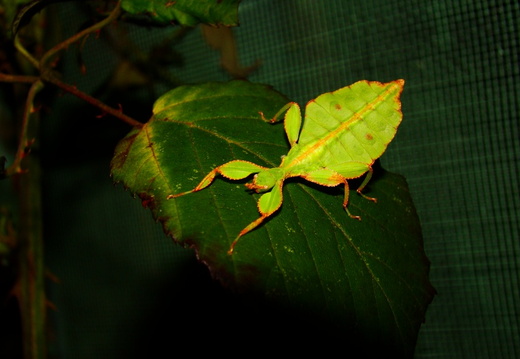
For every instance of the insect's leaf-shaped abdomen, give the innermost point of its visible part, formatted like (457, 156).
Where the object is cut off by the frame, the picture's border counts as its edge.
(354, 123)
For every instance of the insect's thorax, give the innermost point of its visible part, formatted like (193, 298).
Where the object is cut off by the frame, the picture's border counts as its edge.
(303, 157)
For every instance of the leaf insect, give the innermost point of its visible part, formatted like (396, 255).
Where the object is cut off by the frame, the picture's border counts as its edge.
(344, 132)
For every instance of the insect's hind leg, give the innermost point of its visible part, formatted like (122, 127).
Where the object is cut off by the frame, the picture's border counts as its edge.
(345, 201)
(360, 188)
(363, 184)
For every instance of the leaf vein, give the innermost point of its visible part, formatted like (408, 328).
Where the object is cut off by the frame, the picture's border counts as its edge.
(359, 253)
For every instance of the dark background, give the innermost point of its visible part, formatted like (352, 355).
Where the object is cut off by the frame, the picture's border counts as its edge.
(121, 278)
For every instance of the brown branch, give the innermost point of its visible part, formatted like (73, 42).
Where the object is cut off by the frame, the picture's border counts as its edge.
(18, 78)
(24, 141)
(49, 77)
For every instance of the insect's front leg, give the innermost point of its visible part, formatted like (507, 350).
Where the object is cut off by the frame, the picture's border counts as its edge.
(234, 170)
(206, 181)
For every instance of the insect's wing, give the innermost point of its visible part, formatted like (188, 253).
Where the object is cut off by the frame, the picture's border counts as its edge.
(354, 123)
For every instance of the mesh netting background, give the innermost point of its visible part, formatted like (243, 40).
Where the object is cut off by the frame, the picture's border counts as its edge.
(458, 147)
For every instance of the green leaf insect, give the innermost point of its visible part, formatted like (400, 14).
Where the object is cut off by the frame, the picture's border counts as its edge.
(344, 132)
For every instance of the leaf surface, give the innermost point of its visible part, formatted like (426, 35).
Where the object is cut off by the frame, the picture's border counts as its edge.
(186, 12)
(368, 276)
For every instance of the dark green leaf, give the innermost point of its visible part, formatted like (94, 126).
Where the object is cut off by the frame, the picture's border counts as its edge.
(369, 277)
(27, 11)
(186, 12)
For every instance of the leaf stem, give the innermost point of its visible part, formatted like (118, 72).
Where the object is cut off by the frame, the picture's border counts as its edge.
(26, 53)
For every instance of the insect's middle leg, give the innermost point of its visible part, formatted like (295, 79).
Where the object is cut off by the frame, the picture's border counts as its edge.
(268, 203)
(247, 229)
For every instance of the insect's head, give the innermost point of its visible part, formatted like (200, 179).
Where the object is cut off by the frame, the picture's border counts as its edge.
(265, 180)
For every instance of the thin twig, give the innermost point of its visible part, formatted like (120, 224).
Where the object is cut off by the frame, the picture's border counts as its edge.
(65, 44)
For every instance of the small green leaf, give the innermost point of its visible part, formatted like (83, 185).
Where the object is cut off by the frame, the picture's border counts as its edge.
(186, 12)
(369, 277)
(19, 12)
